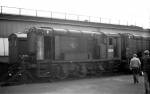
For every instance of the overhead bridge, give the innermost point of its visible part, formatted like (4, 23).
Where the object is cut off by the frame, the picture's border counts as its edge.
(18, 23)
(14, 19)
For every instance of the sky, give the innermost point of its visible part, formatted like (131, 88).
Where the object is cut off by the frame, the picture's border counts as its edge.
(131, 12)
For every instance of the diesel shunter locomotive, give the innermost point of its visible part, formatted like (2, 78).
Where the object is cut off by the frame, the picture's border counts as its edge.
(62, 53)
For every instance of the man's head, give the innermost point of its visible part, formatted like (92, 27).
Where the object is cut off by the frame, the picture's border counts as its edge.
(146, 52)
(134, 55)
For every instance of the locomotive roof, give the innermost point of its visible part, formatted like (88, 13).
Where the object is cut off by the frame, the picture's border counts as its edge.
(73, 32)
(61, 31)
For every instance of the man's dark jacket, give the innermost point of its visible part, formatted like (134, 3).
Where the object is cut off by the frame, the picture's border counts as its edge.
(146, 63)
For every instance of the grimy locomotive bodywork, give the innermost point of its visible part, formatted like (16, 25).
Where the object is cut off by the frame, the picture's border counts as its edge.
(62, 53)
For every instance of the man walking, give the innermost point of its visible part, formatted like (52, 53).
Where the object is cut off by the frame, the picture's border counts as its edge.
(134, 66)
(146, 70)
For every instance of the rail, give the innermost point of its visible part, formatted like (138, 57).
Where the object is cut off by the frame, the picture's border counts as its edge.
(60, 15)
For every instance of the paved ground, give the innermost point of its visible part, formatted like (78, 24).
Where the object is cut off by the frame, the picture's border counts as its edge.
(107, 85)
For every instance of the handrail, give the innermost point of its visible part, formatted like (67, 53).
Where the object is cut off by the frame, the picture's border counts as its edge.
(58, 15)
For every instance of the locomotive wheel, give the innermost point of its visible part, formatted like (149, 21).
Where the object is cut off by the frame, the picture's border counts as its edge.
(82, 71)
(73, 70)
(60, 74)
(99, 70)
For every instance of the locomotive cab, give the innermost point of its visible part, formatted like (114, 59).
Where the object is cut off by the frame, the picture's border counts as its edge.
(17, 46)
